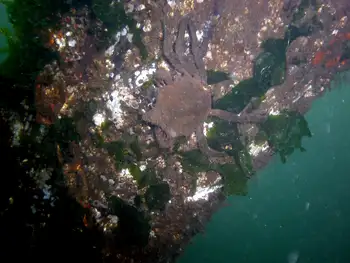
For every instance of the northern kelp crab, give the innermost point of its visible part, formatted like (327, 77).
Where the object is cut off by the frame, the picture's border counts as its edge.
(184, 102)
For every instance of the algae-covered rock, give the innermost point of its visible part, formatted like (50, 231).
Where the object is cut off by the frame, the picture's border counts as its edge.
(225, 137)
(133, 227)
(240, 95)
(157, 196)
(234, 179)
(269, 70)
(215, 76)
(195, 161)
(146, 177)
(126, 154)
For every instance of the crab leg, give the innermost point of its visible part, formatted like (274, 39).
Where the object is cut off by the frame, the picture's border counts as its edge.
(198, 59)
(169, 54)
(180, 47)
(168, 51)
(180, 39)
(243, 118)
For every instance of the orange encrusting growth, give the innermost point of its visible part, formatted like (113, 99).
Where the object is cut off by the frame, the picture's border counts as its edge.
(331, 57)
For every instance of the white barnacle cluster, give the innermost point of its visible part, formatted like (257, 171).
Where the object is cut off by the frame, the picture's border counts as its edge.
(202, 193)
(171, 3)
(255, 149)
(60, 41)
(113, 104)
(17, 128)
(205, 187)
(124, 32)
(207, 127)
(144, 74)
(123, 89)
